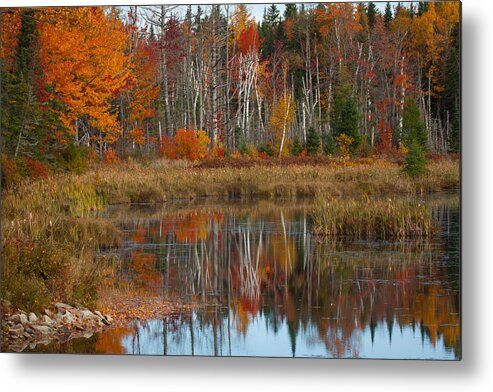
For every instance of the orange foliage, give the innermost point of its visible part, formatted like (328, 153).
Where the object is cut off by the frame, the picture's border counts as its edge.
(11, 24)
(186, 144)
(82, 55)
(110, 156)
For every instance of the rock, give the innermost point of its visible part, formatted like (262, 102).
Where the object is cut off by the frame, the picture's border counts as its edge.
(49, 313)
(99, 314)
(18, 347)
(61, 305)
(105, 321)
(32, 318)
(43, 329)
(45, 320)
(86, 315)
(19, 318)
(68, 318)
(17, 330)
(109, 318)
(79, 328)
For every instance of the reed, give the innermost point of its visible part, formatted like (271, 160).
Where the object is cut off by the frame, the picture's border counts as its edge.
(368, 219)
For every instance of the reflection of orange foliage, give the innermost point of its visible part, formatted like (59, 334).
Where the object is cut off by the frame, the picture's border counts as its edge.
(138, 236)
(192, 227)
(110, 342)
(144, 267)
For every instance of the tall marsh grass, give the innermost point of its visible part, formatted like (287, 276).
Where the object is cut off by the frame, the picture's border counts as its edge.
(372, 219)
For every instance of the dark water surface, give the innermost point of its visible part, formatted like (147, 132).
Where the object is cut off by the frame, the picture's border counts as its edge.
(266, 286)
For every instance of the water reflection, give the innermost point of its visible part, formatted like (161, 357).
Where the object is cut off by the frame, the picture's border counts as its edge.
(267, 287)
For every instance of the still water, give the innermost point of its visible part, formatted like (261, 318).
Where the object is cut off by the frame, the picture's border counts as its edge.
(265, 286)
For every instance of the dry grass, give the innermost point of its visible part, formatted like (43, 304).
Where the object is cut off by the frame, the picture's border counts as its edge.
(375, 219)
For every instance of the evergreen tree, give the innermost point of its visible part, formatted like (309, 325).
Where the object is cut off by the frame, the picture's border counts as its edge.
(329, 145)
(414, 129)
(388, 16)
(312, 142)
(422, 7)
(344, 116)
(22, 116)
(290, 11)
(371, 14)
(415, 160)
(296, 148)
(452, 91)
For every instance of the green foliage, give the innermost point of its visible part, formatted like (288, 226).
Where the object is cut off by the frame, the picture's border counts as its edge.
(296, 148)
(451, 99)
(266, 148)
(74, 158)
(412, 126)
(329, 145)
(371, 14)
(388, 15)
(345, 116)
(415, 160)
(312, 142)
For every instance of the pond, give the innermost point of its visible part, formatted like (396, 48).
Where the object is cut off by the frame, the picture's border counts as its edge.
(263, 285)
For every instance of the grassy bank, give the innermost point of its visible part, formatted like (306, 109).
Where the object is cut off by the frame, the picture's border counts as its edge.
(162, 181)
(368, 219)
(51, 241)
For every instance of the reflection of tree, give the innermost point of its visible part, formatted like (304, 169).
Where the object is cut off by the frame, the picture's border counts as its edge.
(267, 263)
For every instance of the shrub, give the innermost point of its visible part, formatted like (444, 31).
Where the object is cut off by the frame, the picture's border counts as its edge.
(329, 147)
(415, 160)
(74, 158)
(167, 148)
(203, 143)
(267, 149)
(110, 156)
(10, 172)
(344, 143)
(36, 169)
(312, 142)
(296, 148)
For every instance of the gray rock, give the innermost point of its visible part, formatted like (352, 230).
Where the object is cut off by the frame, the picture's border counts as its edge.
(19, 318)
(61, 305)
(109, 318)
(45, 320)
(49, 313)
(99, 314)
(68, 318)
(17, 330)
(32, 318)
(43, 329)
(86, 315)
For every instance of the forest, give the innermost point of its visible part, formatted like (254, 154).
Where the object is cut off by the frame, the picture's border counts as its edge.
(191, 83)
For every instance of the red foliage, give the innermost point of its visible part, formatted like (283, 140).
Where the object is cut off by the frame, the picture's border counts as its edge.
(249, 40)
(167, 148)
(36, 169)
(110, 156)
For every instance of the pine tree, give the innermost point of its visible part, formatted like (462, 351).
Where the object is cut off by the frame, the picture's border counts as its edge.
(329, 145)
(371, 13)
(312, 142)
(415, 160)
(413, 127)
(452, 91)
(388, 16)
(344, 116)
